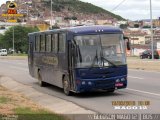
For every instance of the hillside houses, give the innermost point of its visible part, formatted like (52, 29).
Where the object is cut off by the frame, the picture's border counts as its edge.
(140, 39)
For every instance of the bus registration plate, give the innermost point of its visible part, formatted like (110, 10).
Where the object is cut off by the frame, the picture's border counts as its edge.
(119, 84)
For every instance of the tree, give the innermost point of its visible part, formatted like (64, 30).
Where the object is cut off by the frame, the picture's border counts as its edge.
(67, 18)
(1, 41)
(123, 26)
(74, 18)
(136, 25)
(70, 18)
(20, 39)
(55, 26)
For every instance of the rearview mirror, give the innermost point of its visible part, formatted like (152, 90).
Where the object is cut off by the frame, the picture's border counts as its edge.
(127, 43)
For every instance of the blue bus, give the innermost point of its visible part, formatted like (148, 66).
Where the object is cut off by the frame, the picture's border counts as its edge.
(79, 59)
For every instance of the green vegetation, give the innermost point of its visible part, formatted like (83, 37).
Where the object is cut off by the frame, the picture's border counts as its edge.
(18, 54)
(29, 114)
(123, 26)
(4, 100)
(20, 38)
(14, 105)
(80, 7)
(1, 36)
(136, 25)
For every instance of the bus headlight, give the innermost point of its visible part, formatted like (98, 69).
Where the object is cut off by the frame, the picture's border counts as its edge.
(123, 79)
(83, 83)
(118, 80)
(89, 83)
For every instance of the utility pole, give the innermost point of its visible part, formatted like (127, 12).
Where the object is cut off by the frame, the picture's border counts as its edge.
(51, 13)
(27, 13)
(151, 22)
(13, 40)
(28, 5)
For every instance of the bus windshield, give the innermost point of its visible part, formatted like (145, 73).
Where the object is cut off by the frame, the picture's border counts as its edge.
(102, 50)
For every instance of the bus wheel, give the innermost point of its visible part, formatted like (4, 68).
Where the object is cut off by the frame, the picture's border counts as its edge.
(40, 82)
(66, 86)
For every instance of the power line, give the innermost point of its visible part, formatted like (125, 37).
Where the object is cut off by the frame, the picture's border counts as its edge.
(118, 5)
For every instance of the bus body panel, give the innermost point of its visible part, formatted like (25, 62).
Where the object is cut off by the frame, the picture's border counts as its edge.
(51, 72)
(31, 55)
(100, 78)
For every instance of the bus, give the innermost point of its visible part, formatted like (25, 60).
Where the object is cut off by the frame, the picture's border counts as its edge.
(79, 59)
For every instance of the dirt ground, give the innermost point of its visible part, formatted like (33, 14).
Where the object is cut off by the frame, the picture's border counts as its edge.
(143, 64)
(15, 106)
(10, 100)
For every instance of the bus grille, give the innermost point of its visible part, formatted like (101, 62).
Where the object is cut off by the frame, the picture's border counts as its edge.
(104, 83)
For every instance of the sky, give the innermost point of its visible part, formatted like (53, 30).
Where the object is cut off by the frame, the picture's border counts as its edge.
(129, 9)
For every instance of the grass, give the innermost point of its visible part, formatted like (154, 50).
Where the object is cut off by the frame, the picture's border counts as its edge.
(132, 57)
(18, 54)
(3, 100)
(14, 57)
(12, 103)
(29, 114)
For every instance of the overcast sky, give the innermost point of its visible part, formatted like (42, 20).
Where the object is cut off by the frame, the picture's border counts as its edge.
(129, 9)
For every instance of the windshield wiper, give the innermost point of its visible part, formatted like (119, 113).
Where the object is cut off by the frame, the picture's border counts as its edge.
(95, 58)
(103, 58)
(108, 61)
(78, 51)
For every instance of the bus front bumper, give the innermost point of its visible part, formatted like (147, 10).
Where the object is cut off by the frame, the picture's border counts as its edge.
(86, 85)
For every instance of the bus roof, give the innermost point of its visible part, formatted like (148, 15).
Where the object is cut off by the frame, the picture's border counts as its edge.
(88, 29)
(95, 29)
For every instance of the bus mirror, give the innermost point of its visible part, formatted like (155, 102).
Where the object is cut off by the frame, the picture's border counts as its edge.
(74, 51)
(127, 43)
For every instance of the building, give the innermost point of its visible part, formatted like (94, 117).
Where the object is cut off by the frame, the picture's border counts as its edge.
(156, 23)
(104, 22)
(137, 40)
(74, 22)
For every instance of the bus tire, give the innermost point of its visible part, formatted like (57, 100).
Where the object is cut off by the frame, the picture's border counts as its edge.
(66, 85)
(40, 82)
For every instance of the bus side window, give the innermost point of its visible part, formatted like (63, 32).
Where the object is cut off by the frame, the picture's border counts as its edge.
(48, 43)
(61, 43)
(30, 47)
(42, 44)
(54, 42)
(37, 43)
(35, 46)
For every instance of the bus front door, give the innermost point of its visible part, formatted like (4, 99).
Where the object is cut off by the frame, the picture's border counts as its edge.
(71, 65)
(30, 58)
(30, 53)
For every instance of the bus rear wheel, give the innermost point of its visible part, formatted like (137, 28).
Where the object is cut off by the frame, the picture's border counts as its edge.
(40, 82)
(66, 86)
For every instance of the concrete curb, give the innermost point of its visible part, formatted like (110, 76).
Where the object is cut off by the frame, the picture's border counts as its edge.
(51, 103)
